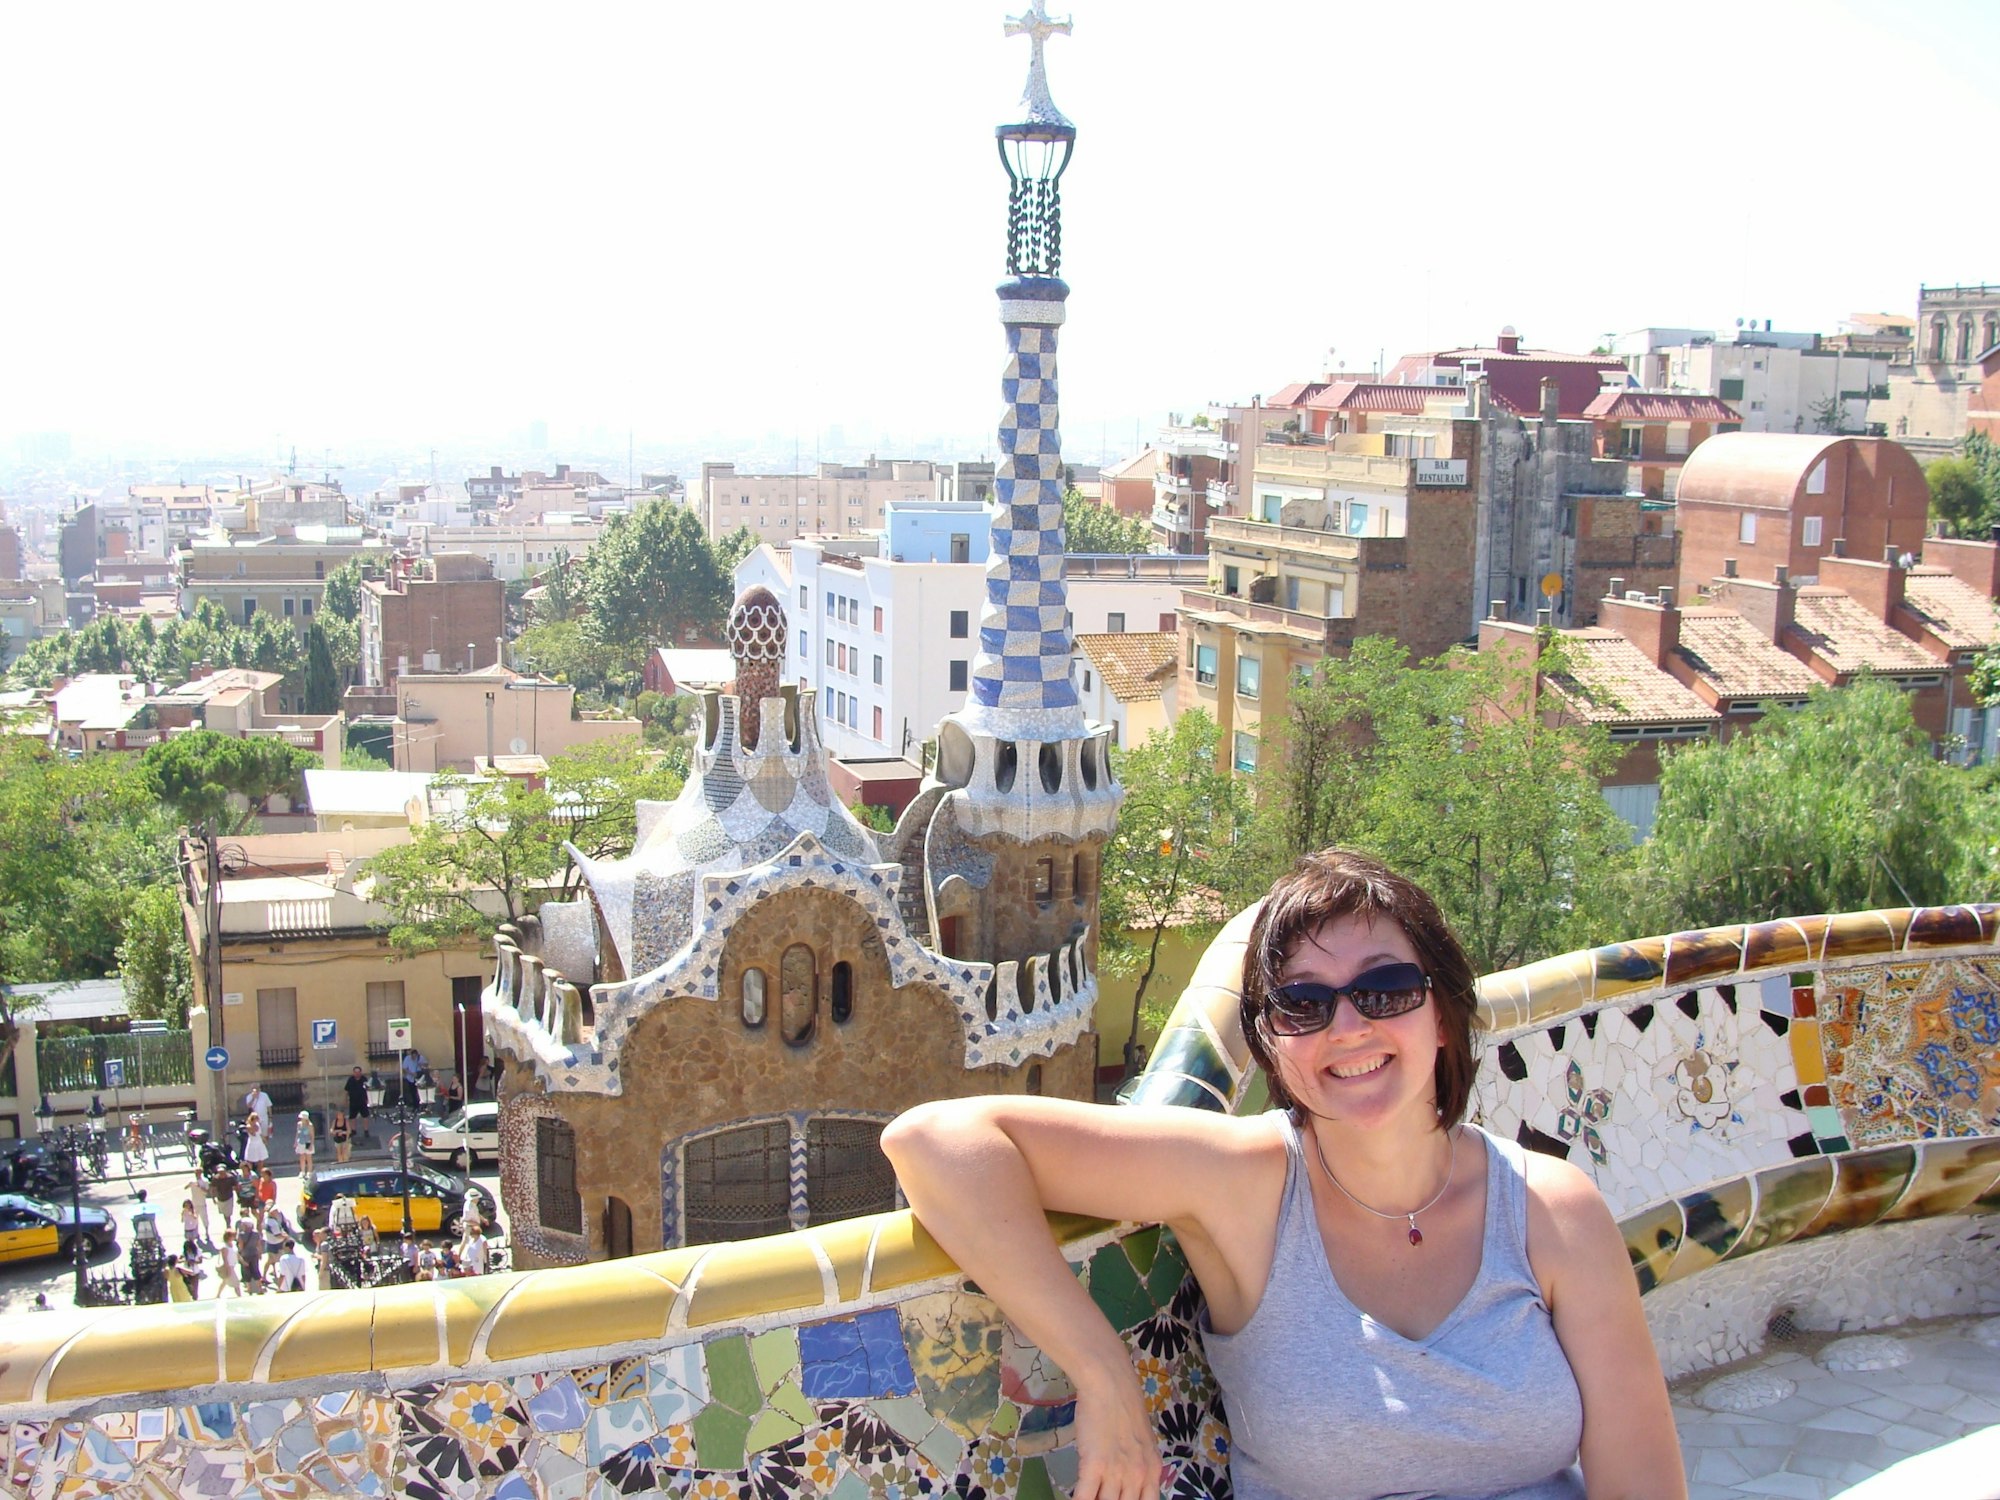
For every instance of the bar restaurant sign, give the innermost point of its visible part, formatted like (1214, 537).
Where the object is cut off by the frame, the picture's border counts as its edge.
(1441, 473)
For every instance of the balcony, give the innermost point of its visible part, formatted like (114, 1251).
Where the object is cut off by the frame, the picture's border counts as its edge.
(1268, 535)
(1322, 634)
(1318, 462)
(1221, 496)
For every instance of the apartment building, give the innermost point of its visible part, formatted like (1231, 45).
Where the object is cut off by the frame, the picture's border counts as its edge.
(1516, 376)
(832, 500)
(245, 705)
(1188, 487)
(1777, 381)
(451, 721)
(279, 575)
(1655, 431)
(887, 641)
(1767, 500)
(1930, 397)
(513, 551)
(445, 610)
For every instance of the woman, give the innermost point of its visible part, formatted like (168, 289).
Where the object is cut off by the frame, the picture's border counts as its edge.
(339, 1131)
(191, 1235)
(1396, 1301)
(256, 1150)
(303, 1141)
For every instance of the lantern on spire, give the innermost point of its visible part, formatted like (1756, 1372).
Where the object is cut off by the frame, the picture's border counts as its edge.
(1035, 152)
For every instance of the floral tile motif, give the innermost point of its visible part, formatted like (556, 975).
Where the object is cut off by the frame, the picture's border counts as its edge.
(1913, 1051)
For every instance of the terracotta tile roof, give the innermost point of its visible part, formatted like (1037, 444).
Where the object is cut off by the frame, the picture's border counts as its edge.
(1515, 380)
(1847, 637)
(1738, 660)
(1953, 610)
(1296, 392)
(1660, 406)
(1613, 682)
(1135, 665)
(1355, 395)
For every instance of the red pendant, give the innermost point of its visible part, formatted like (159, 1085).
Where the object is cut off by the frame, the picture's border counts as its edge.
(1416, 1234)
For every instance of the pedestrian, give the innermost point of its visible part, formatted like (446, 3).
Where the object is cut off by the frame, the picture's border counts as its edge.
(273, 1228)
(256, 1144)
(291, 1269)
(190, 1230)
(198, 1196)
(323, 1253)
(454, 1097)
(267, 1187)
(338, 1129)
(473, 1254)
(259, 1104)
(303, 1141)
(357, 1099)
(177, 1284)
(250, 1253)
(228, 1279)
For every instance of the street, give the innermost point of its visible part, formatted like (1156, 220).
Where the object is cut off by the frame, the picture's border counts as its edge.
(164, 1190)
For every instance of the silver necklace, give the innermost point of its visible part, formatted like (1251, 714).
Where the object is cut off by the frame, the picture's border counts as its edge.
(1416, 1234)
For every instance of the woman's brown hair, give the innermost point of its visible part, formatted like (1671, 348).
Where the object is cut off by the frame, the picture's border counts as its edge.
(1337, 883)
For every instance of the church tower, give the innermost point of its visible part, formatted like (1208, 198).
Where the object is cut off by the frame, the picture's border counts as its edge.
(1013, 849)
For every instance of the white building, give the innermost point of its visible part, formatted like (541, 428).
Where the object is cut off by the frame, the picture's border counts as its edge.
(888, 642)
(1779, 381)
(513, 551)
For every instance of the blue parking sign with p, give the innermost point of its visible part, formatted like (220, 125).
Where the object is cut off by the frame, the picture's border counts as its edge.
(323, 1034)
(114, 1072)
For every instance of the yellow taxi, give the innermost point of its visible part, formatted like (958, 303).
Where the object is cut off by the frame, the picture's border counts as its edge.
(437, 1199)
(29, 1227)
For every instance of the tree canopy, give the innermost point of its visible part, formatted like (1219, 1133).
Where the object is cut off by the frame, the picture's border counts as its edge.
(653, 580)
(494, 850)
(1454, 774)
(1089, 527)
(1958, 501)
(171, 654)
(1835, 806)
(196, 773)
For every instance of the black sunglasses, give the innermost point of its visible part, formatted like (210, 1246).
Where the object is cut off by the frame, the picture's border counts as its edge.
(1306, 1006)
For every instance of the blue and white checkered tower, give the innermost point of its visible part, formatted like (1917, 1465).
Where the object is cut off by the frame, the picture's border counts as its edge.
(1026, 768)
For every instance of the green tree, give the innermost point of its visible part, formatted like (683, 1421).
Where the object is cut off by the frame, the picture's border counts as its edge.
(653, 580)
(1958, 502)
(322, 678)
(870, 815)
(343, 591)
(1099, 528)
(562, 590)
(1464, 774)
(1829, 414)
(573, 651)
(153, 955)
(1836, 806)
(77, 839)
(493, 849)
(733, 548)
(197, 773)
(1176, 844)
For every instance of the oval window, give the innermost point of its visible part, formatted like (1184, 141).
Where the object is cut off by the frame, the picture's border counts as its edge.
(753, 997)
(840, 996)
(798, 994)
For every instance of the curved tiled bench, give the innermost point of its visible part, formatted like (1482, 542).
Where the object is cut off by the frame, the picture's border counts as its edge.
(851, 1360)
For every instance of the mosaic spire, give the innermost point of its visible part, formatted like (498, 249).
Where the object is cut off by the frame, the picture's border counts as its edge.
(1021, 687)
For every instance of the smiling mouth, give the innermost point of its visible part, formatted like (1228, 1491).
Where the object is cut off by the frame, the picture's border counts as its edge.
(1360, 1069)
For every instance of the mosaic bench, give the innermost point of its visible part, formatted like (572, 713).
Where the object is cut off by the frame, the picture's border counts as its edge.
(1779, 1113)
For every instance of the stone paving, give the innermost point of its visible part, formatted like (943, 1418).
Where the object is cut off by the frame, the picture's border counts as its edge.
(1823, 1412)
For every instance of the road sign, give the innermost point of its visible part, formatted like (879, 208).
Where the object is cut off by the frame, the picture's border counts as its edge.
(114, 1072)
(1552, 584)
(217, 1058)
(323, 1032)
(399, 1034)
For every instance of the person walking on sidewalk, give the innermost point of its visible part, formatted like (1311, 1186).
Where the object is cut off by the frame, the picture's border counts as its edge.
(338, 1129)
(258, 1102)
(198, 1197)
(304, 1139)
(357, 1099)
(228, 1281)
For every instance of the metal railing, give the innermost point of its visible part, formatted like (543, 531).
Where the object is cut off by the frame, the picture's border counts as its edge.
(75, 1064)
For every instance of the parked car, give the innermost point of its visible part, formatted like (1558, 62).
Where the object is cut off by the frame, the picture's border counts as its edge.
(31, 1227)
(463, 1138)
(437, 1199)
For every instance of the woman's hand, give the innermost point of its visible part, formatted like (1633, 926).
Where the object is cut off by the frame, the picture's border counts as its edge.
(1117, 1450)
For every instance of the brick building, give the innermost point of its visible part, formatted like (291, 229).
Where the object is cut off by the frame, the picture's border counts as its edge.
(1655, 431)
(446, 613)
(1770, 500)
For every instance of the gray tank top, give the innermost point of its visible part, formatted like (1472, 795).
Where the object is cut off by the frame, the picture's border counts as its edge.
(1325, 1403)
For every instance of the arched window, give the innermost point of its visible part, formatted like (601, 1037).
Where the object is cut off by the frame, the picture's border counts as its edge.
(1965, 337)
(1937, 339)
(840, 995)
(798, 995)
(753, 997)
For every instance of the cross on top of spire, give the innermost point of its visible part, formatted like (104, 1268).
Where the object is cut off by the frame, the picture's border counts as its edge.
(1036, 24)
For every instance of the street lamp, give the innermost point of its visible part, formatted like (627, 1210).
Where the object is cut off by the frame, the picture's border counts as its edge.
(70, 1143)
(404, 1113)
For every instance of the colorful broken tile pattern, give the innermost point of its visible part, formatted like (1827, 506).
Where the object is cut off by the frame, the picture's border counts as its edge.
(929, 1399)
(1799, 1094)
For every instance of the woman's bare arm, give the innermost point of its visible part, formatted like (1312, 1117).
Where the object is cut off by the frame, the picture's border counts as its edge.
(982, 1173)
(1630, 1449)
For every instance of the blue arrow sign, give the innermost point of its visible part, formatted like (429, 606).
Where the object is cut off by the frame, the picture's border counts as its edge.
(323, 1033)
(217, 1059)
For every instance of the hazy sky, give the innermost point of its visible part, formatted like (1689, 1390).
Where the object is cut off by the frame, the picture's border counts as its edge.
(429, 221)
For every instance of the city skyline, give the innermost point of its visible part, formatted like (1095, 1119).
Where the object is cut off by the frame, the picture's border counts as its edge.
(377, 227)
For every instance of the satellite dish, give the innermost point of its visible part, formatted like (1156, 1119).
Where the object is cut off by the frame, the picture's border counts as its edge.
(517, 746)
